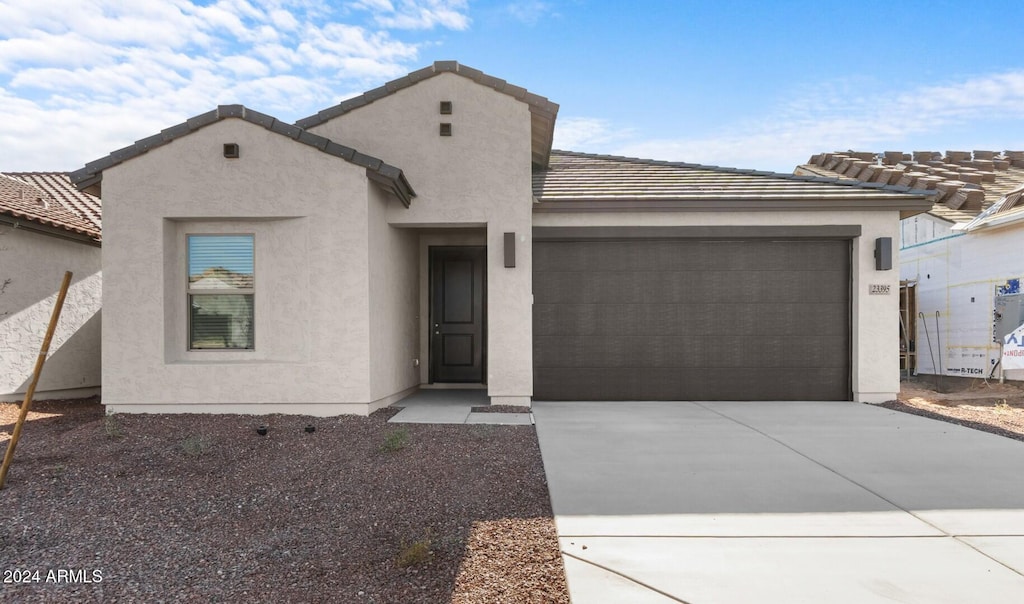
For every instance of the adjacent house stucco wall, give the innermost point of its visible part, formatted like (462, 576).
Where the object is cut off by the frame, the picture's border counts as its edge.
(394, 306)
(32, 267)
(479, 176)
(875, 329)
(958, 276)
(308, 212)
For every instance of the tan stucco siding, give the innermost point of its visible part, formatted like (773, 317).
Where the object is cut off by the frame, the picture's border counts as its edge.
(875, 326)
(394, 303)
(308, 212)
(32, 266)
(478, 177)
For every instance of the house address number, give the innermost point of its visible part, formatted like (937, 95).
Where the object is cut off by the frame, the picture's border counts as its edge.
(876, 289)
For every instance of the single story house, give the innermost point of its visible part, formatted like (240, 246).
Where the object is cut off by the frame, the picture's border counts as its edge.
(426, 234)
(47, 227)
(959, 259)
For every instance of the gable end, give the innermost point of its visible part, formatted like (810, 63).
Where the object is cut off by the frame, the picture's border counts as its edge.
(543, 112)
(89, 178)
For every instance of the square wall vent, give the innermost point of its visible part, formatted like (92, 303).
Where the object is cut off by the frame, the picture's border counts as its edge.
(446, 107)
(231, 150)
(446, 129)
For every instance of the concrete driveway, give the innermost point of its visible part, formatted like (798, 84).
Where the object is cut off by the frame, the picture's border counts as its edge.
(781, 502)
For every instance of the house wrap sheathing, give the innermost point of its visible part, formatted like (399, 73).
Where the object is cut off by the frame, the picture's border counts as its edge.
(959, 257)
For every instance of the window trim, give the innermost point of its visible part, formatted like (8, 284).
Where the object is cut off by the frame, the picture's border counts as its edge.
(189, 292)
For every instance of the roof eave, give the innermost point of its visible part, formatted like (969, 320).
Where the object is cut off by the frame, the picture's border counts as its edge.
(396, 185)
(27, 223)
(909, 206)
(993, 222)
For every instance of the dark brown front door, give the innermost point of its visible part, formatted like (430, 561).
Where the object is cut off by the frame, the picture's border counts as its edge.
(457, 323)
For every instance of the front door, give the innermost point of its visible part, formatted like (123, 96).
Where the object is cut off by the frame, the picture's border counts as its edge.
(457, 306)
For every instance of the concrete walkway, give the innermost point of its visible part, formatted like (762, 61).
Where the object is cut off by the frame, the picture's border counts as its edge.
(781, 502)
(437, 406)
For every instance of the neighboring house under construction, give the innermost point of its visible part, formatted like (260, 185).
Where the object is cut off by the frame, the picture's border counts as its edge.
(961, 260)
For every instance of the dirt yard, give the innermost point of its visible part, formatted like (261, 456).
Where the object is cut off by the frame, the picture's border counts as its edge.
(991, 406)
(201, 508)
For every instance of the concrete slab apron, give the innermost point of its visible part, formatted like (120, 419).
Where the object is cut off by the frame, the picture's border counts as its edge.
(721, 502)
(430, 406)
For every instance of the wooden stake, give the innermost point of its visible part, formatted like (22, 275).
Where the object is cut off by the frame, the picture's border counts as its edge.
(40, 360)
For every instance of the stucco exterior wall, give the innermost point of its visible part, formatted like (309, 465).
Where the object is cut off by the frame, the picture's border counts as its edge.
(875, 329)
(479, 176)
(394, 306)
(958, 276)
(308, 212)
(32, 267)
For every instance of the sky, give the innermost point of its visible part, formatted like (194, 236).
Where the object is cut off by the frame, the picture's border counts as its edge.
(757, 84)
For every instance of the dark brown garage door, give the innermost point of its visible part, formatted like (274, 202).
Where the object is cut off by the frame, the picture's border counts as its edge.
(690, 319)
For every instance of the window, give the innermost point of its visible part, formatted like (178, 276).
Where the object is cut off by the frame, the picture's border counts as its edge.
(220, 292)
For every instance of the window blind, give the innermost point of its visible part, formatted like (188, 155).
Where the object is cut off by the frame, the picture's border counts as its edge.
(221, 288)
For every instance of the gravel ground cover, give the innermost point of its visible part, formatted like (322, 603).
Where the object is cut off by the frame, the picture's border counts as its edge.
(200, 508)
(987, 406)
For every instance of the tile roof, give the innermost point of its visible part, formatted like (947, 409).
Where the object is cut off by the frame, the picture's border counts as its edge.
(580, 181)
(1009, 208)
(543, 112)
(965, 183)
(49, 198)
(89, 178)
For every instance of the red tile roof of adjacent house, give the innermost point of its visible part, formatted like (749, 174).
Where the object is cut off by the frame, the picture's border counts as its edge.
(49, 198)
(966, 183)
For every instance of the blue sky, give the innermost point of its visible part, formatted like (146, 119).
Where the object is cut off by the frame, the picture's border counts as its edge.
(747, 84)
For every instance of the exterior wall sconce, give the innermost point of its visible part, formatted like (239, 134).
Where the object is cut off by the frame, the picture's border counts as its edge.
(883, 253)
(510, 250)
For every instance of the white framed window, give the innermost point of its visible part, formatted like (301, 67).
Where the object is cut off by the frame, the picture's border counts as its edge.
(221, 290)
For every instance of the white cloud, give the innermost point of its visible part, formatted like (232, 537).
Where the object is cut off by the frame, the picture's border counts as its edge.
(47, 138)
(103, 73)
(279, 92)
(334, 45)
(530, 12)
(834, 116)
(418, 14)
(580, 133)
(283, 20)
(69, 50)
(245, 66)
(375, 5)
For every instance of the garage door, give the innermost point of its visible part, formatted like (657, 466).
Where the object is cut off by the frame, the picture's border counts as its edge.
(692, 319)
